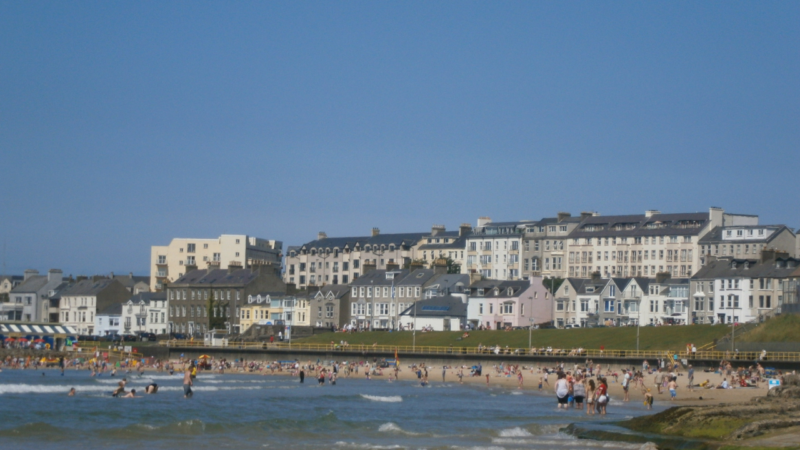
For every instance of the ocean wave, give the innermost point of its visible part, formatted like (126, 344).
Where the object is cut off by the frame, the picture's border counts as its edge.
(80, 389)
(391, 427)
(377, 398)
(367, 445)
(514, 432)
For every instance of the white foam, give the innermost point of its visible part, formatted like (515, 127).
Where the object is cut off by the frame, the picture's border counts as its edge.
(377, 398)
(514, 432)
(516, 392)
(365, 445)
(63, 389)
(391, 427)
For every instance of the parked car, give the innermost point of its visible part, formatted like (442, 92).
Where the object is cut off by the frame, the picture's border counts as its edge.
(145, 336)
(572, 325)
(179, 336)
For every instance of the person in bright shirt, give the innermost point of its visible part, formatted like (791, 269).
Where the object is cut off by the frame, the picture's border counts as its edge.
(602, 395)
(724, 384)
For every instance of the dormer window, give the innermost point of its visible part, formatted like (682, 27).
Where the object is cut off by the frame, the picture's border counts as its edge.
(733, 264)
(590, 289)
(496, 291)
(510, 292)
(746, 265)
(480, 292)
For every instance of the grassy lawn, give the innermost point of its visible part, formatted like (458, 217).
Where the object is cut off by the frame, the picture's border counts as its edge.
(624, 338)
(784, 328)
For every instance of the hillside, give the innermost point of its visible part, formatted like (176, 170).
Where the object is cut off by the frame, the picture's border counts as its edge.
(624, 338)
(783, 328)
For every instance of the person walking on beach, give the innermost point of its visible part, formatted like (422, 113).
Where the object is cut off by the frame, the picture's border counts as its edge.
(690, 377)
(187, 383)
(519, 379)
(444, 372)
(673, 388)
(626, 381)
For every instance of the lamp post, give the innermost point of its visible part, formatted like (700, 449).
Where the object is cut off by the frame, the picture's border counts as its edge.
(733, 323)
(638, 322)
(530, 328)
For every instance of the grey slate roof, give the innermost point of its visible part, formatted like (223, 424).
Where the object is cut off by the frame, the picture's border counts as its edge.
(130, 281)
(31, 285)
(459, 243)
(671, 225)
(398, 239)
(489, 286)
(112, 310)
(715, 235)
(450, 283)
(378, 278)
(88, 287)
(447, 306)
(147, 297)
(418, 277)
(217, 277)
(724, 268)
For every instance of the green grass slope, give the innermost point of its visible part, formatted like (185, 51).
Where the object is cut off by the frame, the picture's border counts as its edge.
(624, 338)
(784, 328)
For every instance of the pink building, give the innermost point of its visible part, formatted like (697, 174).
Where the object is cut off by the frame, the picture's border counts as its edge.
(498, 304)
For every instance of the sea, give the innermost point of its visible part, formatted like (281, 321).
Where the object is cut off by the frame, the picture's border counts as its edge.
(263, 412)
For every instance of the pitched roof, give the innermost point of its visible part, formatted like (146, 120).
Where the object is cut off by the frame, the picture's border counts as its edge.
(678, 224)
(397, 239)
(378, 278)
(88, 287)
(416, 278)
(217, 276)
(745, 268)
(715, 235)
(114, 309)
(130, 281)
(147, 297)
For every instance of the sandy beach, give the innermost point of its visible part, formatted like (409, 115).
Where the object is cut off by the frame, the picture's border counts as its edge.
(532, 375)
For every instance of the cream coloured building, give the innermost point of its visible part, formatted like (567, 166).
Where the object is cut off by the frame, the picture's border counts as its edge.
(170, 262)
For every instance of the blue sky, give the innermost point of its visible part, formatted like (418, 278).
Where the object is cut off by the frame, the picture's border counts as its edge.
(124, 124)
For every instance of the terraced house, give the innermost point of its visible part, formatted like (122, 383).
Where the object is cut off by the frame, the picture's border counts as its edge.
(80, 302)
(644, 245)
(206, 299)
(494, 249)
(341, 260)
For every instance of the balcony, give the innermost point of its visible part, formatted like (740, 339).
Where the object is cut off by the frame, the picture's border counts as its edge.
(161, 263)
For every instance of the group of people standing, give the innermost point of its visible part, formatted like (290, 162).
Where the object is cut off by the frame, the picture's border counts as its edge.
(576, 390)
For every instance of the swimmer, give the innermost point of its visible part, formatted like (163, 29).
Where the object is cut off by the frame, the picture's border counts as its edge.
(120, 389)
(71, 393)
(187, 383)
(131, 394)
(151, 388)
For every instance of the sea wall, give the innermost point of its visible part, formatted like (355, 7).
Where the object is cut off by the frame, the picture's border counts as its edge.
(454, 358)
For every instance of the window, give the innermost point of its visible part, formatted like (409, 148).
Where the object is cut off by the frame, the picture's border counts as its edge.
(609, 306)
(190, 248)
(508, 308)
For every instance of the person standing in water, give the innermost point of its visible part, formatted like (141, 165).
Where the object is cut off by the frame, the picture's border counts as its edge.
(302, 375)
(187, 383)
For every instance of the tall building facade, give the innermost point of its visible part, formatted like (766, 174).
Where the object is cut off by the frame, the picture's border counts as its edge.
(182, 255)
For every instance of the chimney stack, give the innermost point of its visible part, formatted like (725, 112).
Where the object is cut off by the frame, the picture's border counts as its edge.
(368, 267)
(391, 265)
(586, 214)
(436, 229)
(439, 266)
(596, 277)
(651, 212)
(474, 276)
(563, 215)
(232, 266)
(321, 235)
(55, 275)
(482, 221)
(662, 277)
(416, 265)
(376, 231)
(30, 273)
(464, 229)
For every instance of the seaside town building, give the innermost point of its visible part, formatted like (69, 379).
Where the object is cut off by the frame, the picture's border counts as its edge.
(340, 260)
(80, 302)
(500, 304)
(447, 313)
(107, 321)
(734, 290)
(29, 301)
(644, 245)
(206, 299)
(145, 312)
(494, 249)
(329, 306)
(747, 241)
(263, 308)
(544, 245)
(170, 262)
(374, 300)
(577, 302)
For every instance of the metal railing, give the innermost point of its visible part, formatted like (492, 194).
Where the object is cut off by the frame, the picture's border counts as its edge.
(505, 351)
